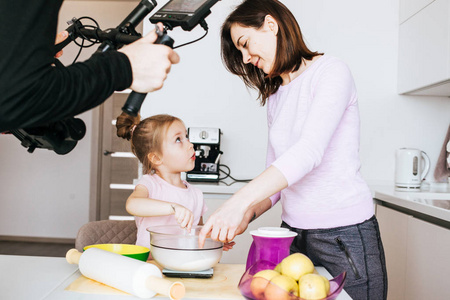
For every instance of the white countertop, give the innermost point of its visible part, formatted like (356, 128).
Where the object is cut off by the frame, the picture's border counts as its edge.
(222, 187)
(32, 277)
(435, 203)
(35, 277)
(219, 187)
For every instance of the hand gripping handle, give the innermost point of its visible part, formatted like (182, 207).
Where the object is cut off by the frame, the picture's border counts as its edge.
(134, 102)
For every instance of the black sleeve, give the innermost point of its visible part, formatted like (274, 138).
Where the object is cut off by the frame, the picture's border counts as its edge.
(32, 90)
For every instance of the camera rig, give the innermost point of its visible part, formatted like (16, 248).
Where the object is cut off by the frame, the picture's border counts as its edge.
(62, 136)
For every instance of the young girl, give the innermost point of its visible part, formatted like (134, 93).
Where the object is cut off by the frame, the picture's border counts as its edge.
(161, 197)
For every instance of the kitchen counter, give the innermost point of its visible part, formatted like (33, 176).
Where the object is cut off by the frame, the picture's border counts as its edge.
(223, 187)
(432, 205)
(34, 277)
(415, 230)
(219, 187)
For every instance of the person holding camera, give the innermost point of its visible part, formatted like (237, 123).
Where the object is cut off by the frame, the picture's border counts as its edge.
(35, 91)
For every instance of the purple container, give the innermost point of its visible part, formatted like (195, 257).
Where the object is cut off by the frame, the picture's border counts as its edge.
(269, 244)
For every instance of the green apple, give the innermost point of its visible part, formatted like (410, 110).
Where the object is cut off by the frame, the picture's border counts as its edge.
(281, 287)
(296, 265)
(313, 287)
(260, 281)
(278, 268)
(327, 284)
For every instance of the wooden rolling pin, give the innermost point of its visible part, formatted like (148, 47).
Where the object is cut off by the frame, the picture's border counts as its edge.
(127, 274)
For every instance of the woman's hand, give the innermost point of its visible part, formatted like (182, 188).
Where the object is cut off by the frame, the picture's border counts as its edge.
(223, 224)
(234, 215)
(59, 38)
(183, 216)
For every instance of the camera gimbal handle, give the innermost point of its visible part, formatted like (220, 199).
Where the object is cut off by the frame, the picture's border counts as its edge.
(135, 100)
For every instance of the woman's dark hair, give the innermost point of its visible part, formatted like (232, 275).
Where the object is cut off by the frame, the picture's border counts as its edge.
(146, 136)
(291, 49)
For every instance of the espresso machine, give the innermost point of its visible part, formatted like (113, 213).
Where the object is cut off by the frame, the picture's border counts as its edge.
(206, 143)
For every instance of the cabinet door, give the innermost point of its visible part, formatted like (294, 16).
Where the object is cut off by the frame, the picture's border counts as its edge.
(424, 48)
(393, 230)
(409, 8)
(428, 263)
(238, 255)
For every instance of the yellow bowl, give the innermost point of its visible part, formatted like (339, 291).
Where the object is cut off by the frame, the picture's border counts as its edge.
(133, 251)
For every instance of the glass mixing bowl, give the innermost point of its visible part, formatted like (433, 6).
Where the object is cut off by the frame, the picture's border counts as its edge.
(175, 248)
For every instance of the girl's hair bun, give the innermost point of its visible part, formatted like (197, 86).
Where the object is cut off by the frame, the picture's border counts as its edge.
(126, 124)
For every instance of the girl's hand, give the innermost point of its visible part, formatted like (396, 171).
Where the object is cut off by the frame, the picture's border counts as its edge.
(183, 216)
(59, 38)
(228, 246)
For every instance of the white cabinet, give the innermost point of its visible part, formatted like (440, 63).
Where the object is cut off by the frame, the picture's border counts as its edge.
(394, 229)
(424, 48)
(238, 255)
(416, 256)
(409, 8)
(428, 264)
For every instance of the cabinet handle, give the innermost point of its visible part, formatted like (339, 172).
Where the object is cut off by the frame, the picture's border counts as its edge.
(119, 154)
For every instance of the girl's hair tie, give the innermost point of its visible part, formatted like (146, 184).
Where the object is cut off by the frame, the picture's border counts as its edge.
(132, 129)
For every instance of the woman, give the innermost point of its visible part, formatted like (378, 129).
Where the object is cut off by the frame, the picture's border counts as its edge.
(312, 157)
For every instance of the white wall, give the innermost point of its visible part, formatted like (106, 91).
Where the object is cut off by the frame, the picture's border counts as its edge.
(203, 94)
(40, 187)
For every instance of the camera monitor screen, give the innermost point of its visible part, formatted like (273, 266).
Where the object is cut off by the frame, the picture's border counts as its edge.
(184, 13)
(189, 6)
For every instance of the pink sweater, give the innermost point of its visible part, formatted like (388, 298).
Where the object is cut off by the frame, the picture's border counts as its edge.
(314, 141)
(191, 197)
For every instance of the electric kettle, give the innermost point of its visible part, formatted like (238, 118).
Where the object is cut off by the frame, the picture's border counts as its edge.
(270, 244)
(411, 168)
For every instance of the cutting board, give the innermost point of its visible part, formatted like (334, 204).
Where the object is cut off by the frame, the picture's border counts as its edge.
(223, 285)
